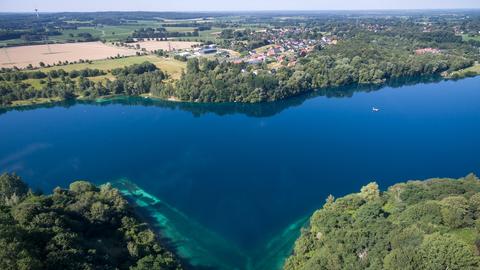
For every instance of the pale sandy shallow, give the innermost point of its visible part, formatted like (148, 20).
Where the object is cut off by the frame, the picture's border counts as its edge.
(166, 45)
(22, 56)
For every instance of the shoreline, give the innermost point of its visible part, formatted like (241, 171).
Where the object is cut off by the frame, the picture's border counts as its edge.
(392, 83)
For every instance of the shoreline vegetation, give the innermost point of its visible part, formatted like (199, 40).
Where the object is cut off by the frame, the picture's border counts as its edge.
(470, 72)
(430, 224)
(82, 227)
(264, 109)
(157, 84)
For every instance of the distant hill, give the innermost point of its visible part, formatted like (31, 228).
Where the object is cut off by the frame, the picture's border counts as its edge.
(432, 224)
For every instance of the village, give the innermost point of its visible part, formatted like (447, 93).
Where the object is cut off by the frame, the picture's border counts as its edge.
(284, 46)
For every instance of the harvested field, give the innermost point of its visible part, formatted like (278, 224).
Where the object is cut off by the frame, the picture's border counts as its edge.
(22, 56)
(166, 45)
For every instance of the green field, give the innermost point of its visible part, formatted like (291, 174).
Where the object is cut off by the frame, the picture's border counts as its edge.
(467, 37)
(180, 29)
(208, 35)
(116, 33)
(171, 66)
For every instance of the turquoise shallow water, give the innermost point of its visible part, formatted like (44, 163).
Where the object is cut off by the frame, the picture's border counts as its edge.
(230, 184)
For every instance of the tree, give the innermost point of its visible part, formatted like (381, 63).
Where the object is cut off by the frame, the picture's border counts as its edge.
(455, 212)
(402, 259)
(446, 252)
(370, 191)
(11, 185)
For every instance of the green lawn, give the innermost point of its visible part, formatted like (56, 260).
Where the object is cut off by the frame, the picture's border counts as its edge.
(475, 69)
(171, 66)
(107, 64)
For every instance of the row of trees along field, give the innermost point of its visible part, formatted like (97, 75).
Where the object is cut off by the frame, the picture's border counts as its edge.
(82, 227)
(132, 80)
(433, 224)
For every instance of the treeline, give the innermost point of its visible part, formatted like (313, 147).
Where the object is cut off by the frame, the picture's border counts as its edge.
(28, 35)
(82, 227)
(198, 26)
(433, 224)
(161, 33)
(132, 80)
(15, 75)
(439, 36)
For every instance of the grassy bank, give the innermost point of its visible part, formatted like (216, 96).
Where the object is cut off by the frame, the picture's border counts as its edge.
(466, 72)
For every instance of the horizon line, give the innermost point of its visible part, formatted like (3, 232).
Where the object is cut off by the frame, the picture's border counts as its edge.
(253, 11)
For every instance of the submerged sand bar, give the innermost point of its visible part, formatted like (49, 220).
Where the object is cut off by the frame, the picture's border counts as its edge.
(22, 56)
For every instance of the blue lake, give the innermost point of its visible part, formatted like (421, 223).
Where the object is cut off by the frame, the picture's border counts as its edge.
(245, 173)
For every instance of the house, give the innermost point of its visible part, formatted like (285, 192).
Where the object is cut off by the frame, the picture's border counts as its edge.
(274, 51)
(184, 54)
(209, 49)
(254, 61)
(427, 50)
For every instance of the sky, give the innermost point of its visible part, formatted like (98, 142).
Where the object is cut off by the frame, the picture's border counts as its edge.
(227, 5)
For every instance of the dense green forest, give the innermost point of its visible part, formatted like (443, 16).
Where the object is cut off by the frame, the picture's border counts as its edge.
(433, 224)
(82, 227)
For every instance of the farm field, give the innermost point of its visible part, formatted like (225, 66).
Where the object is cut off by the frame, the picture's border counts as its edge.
(24, 56)
(208, 35)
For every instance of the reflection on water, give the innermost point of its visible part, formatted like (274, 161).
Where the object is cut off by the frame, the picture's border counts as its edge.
(265, 109)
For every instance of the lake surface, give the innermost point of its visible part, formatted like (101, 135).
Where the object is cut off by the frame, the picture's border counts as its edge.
(245, 173)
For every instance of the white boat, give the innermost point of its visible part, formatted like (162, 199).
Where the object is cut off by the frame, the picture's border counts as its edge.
(375, 109)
